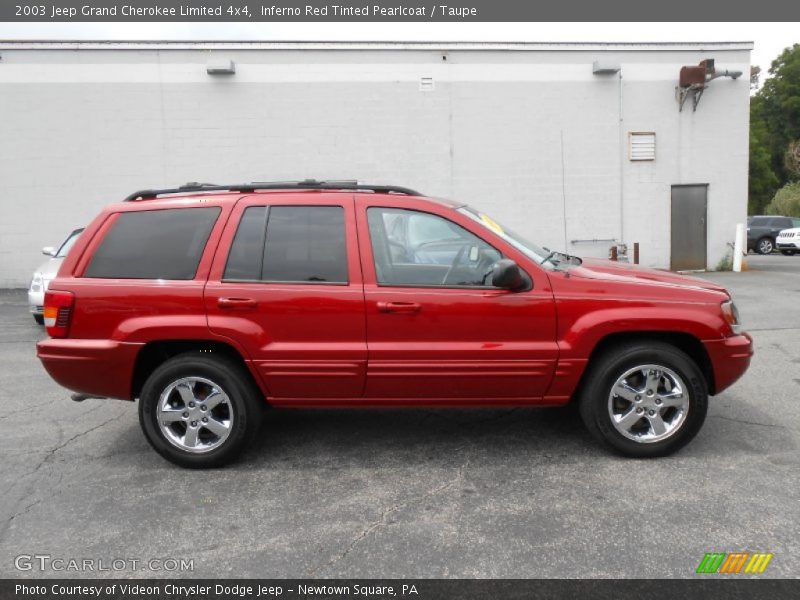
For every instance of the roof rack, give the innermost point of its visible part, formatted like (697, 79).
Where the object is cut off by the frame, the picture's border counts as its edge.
(306, 184)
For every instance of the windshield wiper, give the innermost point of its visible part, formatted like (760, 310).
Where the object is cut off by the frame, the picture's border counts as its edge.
(550, 258)
(556, 263)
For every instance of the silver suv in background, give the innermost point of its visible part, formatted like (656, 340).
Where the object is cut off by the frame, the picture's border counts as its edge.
(46, 273)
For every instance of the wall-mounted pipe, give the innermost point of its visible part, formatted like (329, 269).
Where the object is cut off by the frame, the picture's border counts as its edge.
(592, 241)
(725, 73)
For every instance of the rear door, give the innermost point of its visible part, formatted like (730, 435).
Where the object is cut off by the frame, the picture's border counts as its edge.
(778, 224)
(286, 285)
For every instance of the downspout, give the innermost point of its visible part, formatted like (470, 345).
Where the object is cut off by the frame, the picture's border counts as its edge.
(621, 165)
(564, 192)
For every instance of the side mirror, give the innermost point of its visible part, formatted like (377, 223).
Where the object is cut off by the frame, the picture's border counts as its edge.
(49, 251)
(509, 276)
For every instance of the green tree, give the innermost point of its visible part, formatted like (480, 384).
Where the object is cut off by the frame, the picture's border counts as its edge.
(792, 160)
(763, 181)
(777, 106)
(786, 201)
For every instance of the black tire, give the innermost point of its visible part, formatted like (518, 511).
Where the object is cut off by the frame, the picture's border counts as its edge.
(788, 252)
(246, 404)
(765, 245)
(602, 375)
(39, 319)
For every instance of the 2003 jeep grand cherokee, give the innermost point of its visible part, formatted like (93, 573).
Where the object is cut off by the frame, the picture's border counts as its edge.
(208, 303)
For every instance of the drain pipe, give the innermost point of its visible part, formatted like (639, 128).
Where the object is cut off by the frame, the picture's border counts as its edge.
(622, 154)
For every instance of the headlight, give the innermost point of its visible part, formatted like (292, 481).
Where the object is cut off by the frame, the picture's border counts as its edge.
(36, 282)
(731, 315)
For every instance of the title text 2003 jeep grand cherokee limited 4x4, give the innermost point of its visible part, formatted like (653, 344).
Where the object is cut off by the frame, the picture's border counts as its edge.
(208, 303)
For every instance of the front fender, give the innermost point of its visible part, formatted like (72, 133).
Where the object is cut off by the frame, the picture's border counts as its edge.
(579, 336)
(580, 332)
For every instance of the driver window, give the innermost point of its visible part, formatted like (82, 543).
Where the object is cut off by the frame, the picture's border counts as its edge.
(417, 248)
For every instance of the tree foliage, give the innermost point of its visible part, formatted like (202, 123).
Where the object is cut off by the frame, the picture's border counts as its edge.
(792, 160)
(763, 180)
(786, 201)
(774, 125)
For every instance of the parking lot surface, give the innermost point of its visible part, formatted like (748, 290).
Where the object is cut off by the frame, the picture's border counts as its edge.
(417, 493)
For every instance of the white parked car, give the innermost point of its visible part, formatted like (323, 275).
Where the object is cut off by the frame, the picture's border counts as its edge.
(788, 241)
(46, 273)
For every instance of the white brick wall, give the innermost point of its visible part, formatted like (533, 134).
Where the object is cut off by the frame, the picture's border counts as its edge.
(529, 136)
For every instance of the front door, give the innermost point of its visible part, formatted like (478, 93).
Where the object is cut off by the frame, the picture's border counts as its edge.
(689, 206)
(289, 292)
(436, 328)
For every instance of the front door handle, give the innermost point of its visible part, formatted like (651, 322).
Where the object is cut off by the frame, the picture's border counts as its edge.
(399, 307)
(237, 303)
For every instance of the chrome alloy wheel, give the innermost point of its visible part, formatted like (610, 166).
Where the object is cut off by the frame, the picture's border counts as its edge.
(648, 403)
(195, 414)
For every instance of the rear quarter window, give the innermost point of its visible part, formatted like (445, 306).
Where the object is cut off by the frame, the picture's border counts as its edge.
(154, 244)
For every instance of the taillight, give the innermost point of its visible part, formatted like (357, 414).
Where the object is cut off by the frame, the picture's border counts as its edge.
(58, 312)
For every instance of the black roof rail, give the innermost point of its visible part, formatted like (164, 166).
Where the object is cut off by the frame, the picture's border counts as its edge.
(306, 184)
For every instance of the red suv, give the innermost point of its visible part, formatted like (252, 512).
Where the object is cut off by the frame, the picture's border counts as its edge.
(209, 303)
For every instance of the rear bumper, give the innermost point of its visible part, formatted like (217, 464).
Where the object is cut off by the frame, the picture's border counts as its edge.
(95, 367)
(730, 358)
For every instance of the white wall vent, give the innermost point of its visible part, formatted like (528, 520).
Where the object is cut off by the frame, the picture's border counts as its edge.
(641, 145)
(426, 84)
(220, 67)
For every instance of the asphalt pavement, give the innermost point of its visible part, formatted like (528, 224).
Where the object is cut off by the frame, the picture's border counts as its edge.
(407, 493)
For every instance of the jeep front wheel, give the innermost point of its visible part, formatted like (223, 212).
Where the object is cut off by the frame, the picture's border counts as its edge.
(644, 399)
(199, 411)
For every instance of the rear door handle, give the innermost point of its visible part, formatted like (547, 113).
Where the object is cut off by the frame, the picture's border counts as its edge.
(237, 303)
(399, 307)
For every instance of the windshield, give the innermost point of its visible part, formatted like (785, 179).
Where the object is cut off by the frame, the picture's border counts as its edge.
(68, 243)
(530, 249)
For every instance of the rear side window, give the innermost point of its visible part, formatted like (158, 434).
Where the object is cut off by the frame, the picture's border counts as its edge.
(293, 244)
(154, 244)
(759, 222)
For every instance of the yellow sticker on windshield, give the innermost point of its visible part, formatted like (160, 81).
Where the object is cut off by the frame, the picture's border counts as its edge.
(493, 225)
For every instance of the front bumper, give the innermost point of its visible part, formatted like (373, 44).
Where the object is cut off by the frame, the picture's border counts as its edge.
(792, 244)
(94, 367)
(730, 358)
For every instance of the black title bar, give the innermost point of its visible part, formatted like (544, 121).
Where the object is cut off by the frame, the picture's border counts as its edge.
(709, 588)
(40, 11)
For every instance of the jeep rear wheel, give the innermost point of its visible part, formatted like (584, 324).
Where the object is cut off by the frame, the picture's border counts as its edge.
(199, 411)
(644, 399)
